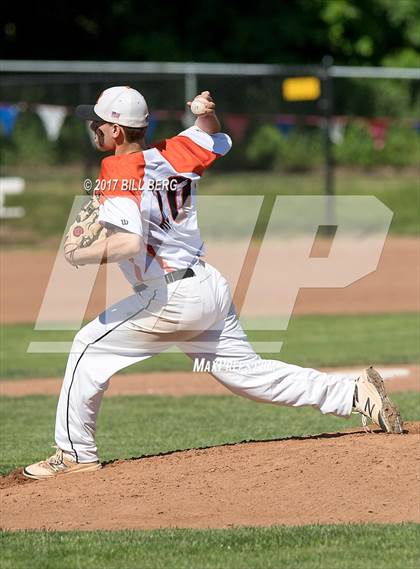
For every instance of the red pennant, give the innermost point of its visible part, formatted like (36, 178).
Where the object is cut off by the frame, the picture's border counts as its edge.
(236, 125)
(378, 129)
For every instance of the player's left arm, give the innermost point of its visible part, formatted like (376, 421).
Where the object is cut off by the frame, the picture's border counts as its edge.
(118, 246)
(208, 122)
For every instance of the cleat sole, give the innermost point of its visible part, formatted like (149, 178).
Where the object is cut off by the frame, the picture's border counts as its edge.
(389, 417)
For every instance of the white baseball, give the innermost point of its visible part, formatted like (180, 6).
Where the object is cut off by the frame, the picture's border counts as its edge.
(198, 106)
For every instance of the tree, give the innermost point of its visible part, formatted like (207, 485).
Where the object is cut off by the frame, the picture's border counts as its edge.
(286, 31)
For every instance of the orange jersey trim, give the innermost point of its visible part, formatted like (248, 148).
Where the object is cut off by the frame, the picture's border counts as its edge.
(184, 155)
(121, 176)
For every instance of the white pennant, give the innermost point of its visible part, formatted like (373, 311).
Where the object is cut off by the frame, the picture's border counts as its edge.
(52, 117)
(337, 129)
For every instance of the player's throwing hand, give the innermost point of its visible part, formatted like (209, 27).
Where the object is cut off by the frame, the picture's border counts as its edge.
(203, 104)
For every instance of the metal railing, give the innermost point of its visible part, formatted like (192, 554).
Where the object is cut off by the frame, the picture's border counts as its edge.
(21, 72)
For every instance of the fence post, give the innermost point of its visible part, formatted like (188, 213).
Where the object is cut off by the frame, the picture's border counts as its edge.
(327, 108)
(190, 86)
(84, 94)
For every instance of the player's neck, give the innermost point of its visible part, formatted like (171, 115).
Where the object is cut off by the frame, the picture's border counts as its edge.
(130, 147)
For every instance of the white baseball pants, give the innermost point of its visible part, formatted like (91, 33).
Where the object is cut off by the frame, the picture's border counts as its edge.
(197, 315)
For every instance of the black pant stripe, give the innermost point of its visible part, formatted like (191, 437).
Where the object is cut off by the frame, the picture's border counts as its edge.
(83, 353)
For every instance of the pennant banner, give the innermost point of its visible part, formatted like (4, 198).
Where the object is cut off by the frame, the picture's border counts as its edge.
(314, 120)
(237, 125)
(378, 129)
(52, 117)
(336, 132)
(8, 116)
(285, 123)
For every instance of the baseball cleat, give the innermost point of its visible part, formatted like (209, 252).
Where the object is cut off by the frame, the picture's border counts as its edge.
(372, 402)
(60, 463)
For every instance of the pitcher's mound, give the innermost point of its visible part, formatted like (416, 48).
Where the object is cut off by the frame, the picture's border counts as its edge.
(331, 478)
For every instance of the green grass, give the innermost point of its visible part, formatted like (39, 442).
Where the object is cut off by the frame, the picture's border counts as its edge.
(307, 547)
(137, 426)
(400, 191)
(309, 341)
(50, 192)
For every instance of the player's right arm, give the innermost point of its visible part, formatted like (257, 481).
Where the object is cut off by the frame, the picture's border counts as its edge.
(208, 122)
(195, 149)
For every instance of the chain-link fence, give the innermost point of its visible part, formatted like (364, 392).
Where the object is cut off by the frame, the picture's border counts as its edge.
(362, 118)
(376, 114)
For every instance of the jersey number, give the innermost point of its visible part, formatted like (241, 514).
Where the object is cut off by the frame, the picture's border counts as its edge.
(175, 200)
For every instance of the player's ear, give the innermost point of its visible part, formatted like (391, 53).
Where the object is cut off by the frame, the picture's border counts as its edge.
(118, 133)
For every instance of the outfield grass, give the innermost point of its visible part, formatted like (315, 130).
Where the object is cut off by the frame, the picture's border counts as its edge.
(309, 341)
(50, 192)
(308, 547)
(399, 191)
(139, 426)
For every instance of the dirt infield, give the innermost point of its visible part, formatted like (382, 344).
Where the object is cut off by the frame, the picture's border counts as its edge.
(177, 384)
(393, 287)
(330, 478)
(342, 477)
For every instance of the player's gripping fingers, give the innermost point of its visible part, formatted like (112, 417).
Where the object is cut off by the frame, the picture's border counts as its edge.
(209, 106)
(201, 105)
(206, 95)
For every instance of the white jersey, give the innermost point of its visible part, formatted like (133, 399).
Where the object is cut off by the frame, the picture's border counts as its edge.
(153, 193)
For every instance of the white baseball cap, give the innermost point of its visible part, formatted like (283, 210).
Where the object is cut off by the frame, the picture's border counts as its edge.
(118, 105)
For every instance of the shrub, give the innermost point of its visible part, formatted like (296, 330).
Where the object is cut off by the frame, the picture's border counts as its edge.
(402, 148)
(357, 147)
(73, 142)
(300, 150)
(29, 144)
(264, 147)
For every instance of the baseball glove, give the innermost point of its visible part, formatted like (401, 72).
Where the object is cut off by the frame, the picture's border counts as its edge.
(85, 229)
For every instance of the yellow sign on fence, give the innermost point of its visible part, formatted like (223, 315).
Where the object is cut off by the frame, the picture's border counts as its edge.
(301, 89)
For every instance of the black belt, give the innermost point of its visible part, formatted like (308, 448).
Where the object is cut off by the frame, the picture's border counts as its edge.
(170, 278)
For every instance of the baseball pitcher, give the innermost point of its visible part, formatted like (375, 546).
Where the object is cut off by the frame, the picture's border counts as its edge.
(143, 216)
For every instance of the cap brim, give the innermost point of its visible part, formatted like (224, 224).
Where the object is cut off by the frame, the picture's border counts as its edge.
(86, 113)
